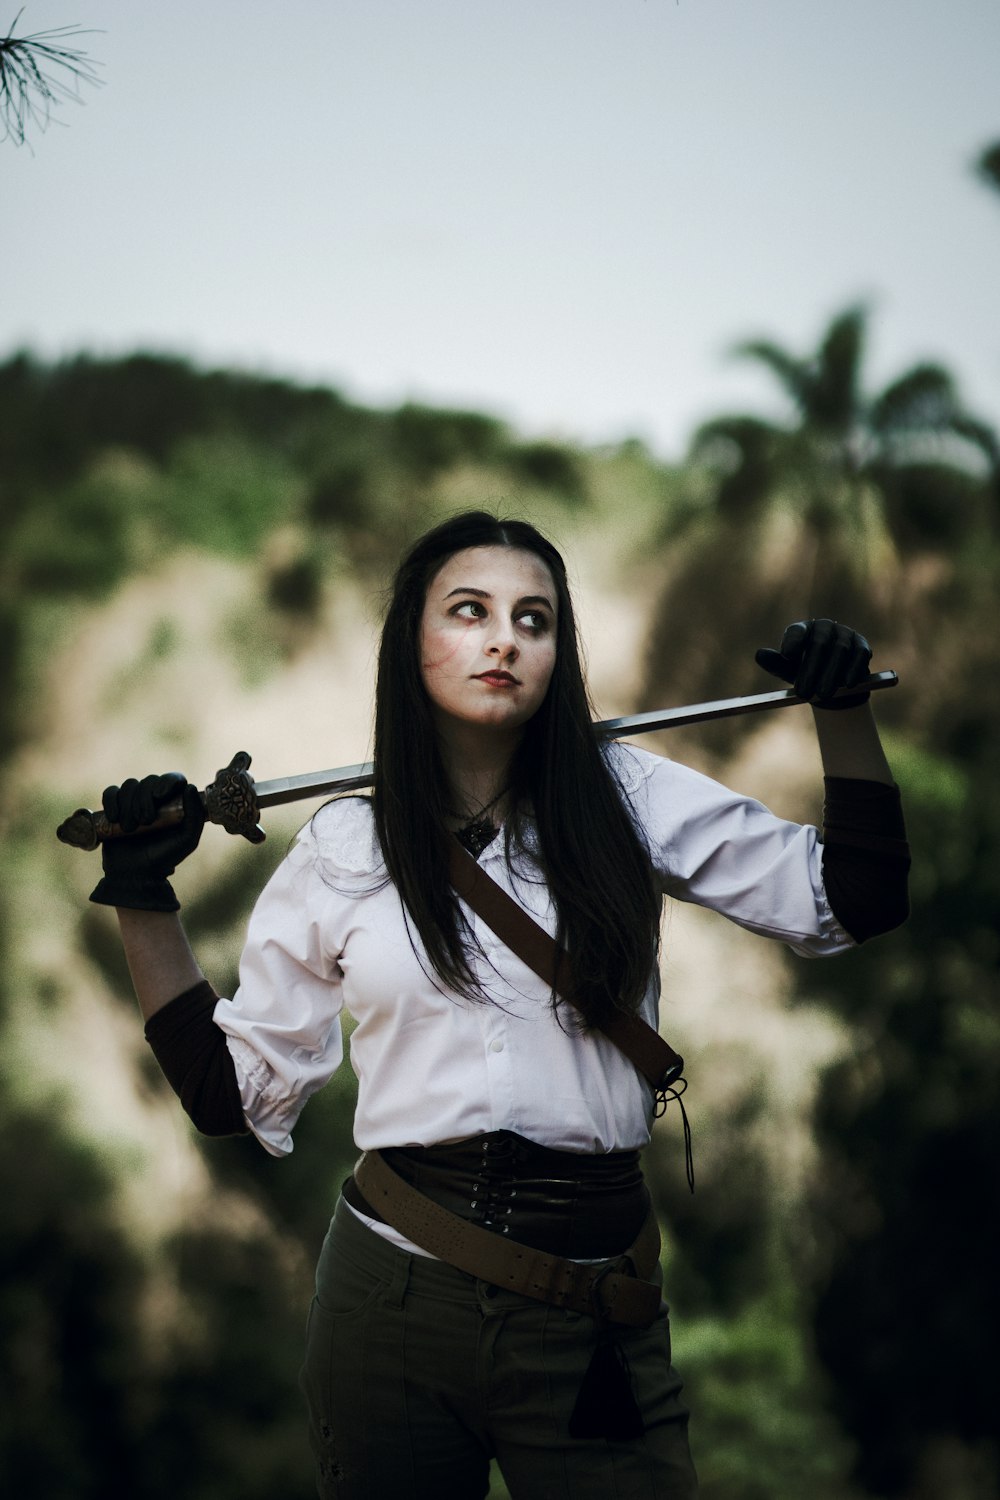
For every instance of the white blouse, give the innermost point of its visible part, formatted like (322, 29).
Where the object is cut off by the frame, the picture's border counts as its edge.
(329, 932)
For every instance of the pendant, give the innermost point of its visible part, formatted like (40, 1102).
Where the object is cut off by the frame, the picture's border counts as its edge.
(476, 835)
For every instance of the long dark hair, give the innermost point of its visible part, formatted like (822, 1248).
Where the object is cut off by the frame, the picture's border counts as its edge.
(597, 870)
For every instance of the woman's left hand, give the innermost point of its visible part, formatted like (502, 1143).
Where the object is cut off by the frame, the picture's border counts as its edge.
(818, 657)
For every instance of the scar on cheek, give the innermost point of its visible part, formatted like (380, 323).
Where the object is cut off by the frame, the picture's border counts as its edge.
(431, 663)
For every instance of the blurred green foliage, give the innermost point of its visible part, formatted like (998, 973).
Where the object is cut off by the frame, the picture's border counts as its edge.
(886, 512)
(97, 1398)
(109, 466)
(909, 1202)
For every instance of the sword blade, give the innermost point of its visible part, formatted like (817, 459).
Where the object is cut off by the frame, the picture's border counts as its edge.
(354, 778)
(314, 784)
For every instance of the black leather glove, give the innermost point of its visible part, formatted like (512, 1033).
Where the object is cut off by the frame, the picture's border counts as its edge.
(817, 657)
(136, 867)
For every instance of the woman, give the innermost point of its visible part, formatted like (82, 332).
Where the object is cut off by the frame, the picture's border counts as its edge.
(494, 1114)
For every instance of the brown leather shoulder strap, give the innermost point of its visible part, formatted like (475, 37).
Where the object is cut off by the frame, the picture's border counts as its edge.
(655, 1059)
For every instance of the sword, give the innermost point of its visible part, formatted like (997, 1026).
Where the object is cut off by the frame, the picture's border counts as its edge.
(234, 799)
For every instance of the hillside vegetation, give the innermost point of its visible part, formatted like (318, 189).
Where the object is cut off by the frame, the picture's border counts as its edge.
(195, 563)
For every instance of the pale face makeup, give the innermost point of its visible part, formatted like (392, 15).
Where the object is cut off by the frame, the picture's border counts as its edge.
(488, 640)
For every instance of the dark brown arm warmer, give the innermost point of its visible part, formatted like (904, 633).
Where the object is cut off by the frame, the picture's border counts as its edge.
(866, 858)
(196, 1063)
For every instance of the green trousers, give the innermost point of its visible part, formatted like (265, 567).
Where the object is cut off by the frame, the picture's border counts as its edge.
(417, 1375)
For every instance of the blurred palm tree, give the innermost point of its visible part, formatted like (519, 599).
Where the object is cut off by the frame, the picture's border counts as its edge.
(988, 165)
(844, 511)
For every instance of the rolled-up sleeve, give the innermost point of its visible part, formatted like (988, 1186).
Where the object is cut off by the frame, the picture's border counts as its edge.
(283, 1024)
(720, 850)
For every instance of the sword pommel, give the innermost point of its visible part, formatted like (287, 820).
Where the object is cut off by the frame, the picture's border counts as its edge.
(80, 829)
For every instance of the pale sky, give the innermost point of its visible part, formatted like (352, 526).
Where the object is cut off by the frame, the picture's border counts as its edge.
(563, 212)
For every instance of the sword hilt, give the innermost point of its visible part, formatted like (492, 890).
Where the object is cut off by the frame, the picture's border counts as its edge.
(230, 800)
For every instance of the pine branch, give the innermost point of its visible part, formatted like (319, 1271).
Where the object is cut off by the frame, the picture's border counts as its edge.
(37, 73)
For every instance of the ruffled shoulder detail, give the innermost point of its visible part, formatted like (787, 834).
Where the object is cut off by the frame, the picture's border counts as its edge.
(342, 835)
(630, 766)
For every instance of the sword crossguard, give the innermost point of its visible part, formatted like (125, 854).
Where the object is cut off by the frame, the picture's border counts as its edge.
(232, 800)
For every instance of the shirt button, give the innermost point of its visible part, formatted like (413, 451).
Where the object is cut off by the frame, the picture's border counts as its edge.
(496, 1045)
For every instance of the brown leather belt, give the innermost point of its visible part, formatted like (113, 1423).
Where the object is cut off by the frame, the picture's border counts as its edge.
(616, 1290)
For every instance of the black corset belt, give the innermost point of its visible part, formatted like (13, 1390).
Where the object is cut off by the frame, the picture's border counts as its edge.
(583, 1207)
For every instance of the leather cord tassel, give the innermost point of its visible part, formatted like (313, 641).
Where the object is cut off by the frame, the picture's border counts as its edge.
(606, 1406)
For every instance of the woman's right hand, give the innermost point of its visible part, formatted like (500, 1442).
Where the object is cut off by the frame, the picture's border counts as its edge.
(136, 865)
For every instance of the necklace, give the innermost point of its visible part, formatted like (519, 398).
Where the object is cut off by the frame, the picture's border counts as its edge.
(475, 836)
(480, 829)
